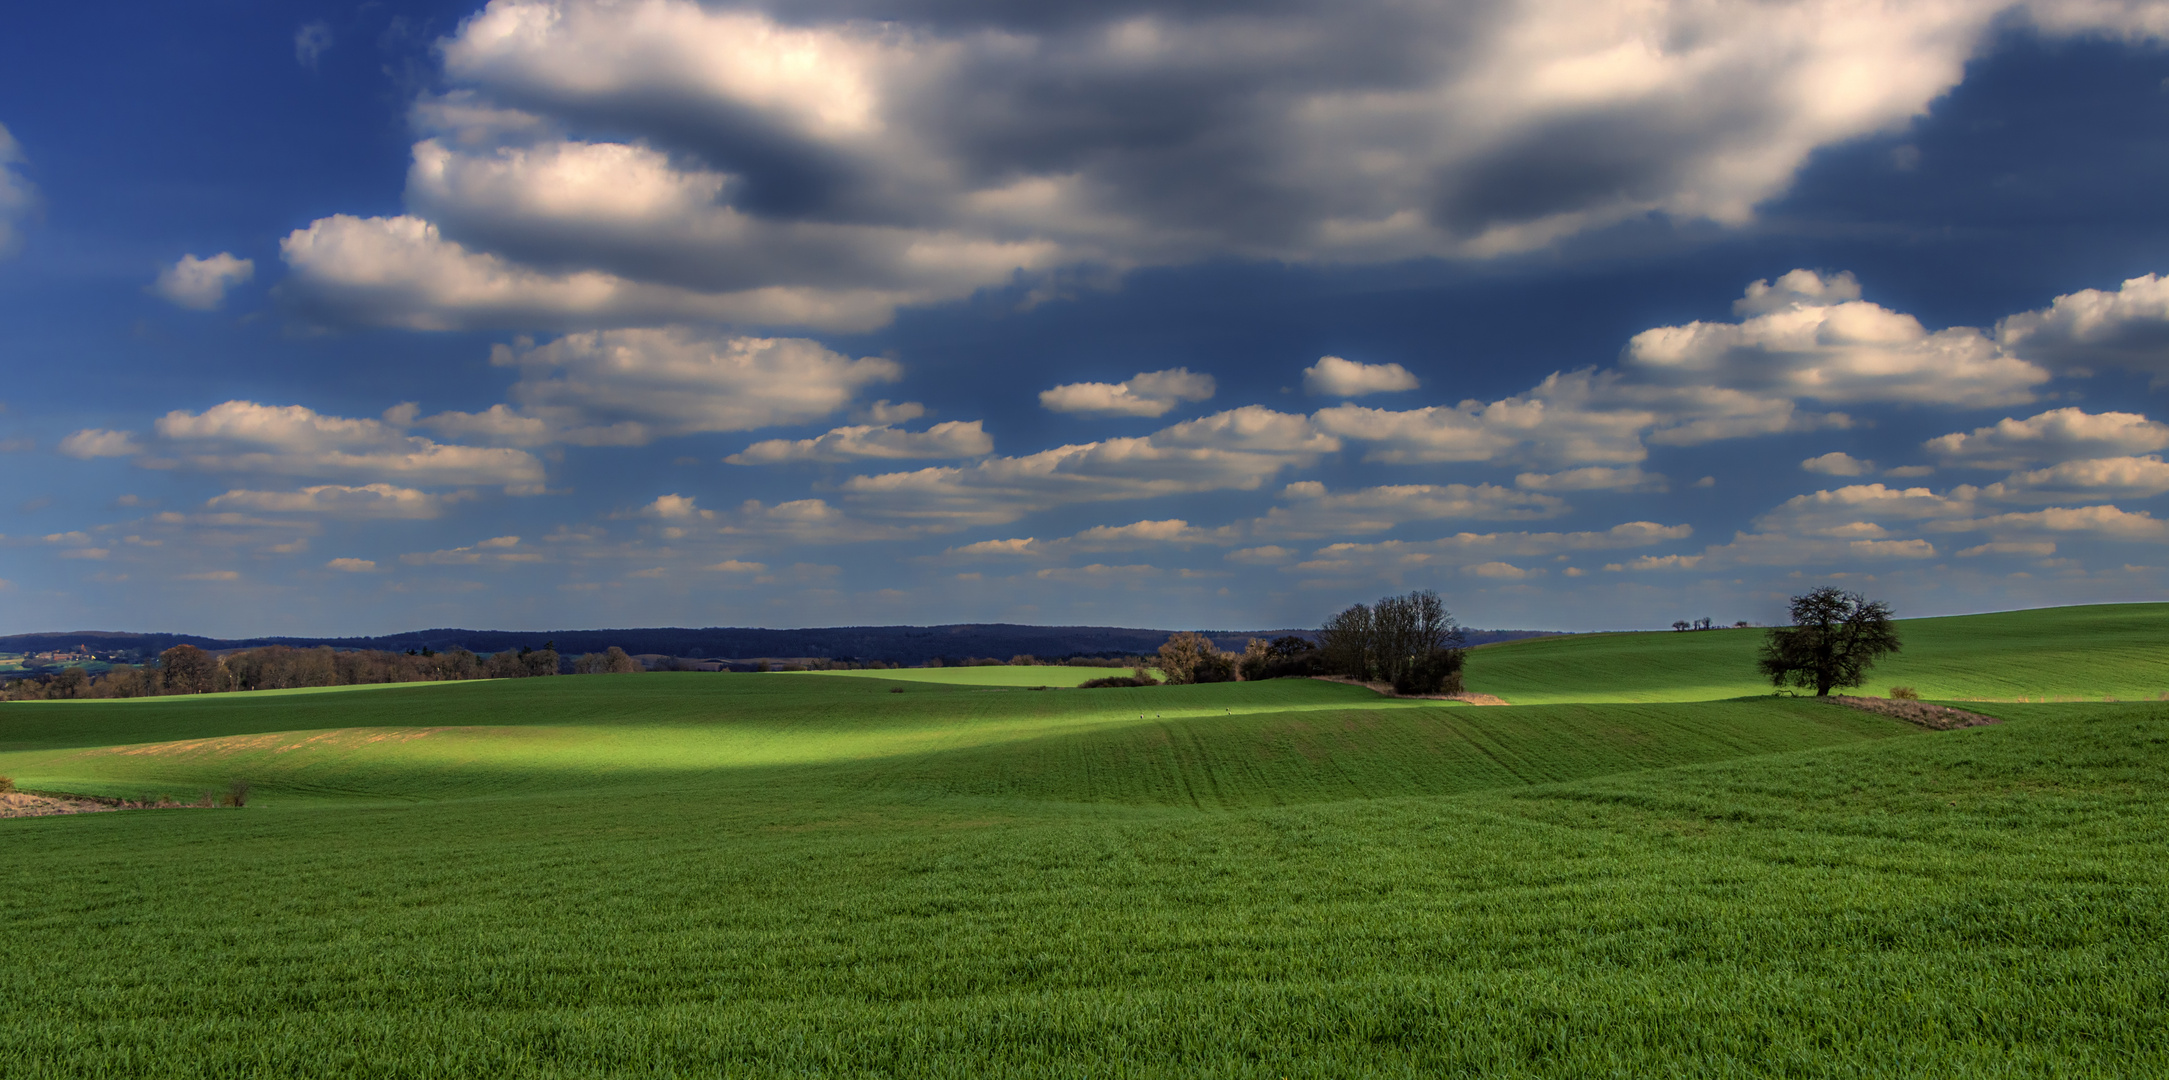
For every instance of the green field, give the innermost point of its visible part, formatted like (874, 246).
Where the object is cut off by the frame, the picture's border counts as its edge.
(809, 875)
(2118, 651)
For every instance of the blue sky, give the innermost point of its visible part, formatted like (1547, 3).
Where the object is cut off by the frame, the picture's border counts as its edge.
(349, 319)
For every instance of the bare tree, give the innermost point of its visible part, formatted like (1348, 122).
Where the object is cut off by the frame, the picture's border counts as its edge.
(186, 669)
(1411, 641)
(1192, 658)
(1835, 637)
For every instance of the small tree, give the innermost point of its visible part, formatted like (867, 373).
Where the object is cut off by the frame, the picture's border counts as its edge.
(1191, 658)
(1835, 637)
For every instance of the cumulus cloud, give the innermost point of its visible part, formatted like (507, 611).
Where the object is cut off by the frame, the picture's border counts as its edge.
(1391, 557)
(1332, 376)
(2126, 328)
(352, 566)
(1871, 521)
(496, 550)
(18, 197)
(1313, 511)
(2117, 477)
(1148, 393)
(631, 387)
(1592, 478)
(953, 439)
(99, 442)
(339, 500)
(2053, 436)
(201, 284)
(1234, 450)
(822, 168)
(1838, 463)
(294, 440)
(1811, 336)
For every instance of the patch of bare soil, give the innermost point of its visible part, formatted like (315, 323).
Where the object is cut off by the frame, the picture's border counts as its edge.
(1386, 689)
(34, 804)
(24, 804)
(1932, 717)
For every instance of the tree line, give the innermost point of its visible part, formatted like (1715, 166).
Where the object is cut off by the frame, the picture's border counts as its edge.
(1410, 642)
(186, 669)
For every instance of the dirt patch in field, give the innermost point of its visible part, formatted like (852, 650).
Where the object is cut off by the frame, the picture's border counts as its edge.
(25, 804)
(1386, 689)
(1932, 717)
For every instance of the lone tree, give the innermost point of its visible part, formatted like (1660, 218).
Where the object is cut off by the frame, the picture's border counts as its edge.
(1835, 637)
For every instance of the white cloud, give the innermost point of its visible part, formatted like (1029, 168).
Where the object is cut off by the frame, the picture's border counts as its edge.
(953, 439)
(1497, 571)
(2036, 549)
(1592, 478)
(293, 440)
(2053, 436)
(339, 500)
(311, 42)
(1838, 463)
(201, 284)
(496, 550)
(675, 508)
(1313, 511)
(631, 387)
(99, 442)
(1811, 337)
(1391, 557)
(402, 272)
(2101, 478)
(1657, 562)
(1332, 376)
(813, 521)
(1148, 393)
(1234, 450)
(352, 566)
(2108, 521)
(18, 197)
(1779, 549)
(2126, 328)
(821, 168)
(1558, 421)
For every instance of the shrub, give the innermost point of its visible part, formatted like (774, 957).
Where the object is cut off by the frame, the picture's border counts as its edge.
(7, 784)
(1438, 672)
(1213, 667)
(1287, 657)
(1904, 693)
(237, 796)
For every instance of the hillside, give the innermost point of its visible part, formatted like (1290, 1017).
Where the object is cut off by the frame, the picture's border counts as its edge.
(2089, 653)
(666, 875)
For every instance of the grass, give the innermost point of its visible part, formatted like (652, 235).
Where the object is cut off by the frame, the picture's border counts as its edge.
(2072, 653)
(739, 875)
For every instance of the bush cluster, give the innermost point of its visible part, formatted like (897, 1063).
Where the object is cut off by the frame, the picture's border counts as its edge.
(1410, 641)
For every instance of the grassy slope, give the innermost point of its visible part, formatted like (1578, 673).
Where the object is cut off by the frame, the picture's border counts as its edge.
(1036, 675)
(750, 875)
(2108, 650)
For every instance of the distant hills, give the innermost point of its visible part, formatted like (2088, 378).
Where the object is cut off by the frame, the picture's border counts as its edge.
(892, 644)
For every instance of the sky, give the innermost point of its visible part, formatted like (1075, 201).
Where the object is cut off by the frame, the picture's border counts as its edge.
(345, 319)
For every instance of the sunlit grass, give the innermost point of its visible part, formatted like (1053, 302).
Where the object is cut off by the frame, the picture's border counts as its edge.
(739, 875)
(2073, 653)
